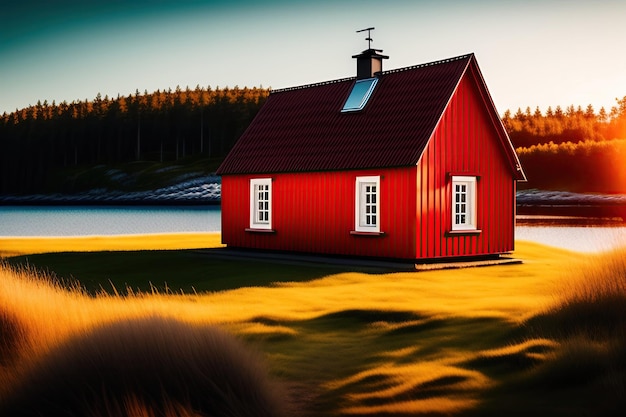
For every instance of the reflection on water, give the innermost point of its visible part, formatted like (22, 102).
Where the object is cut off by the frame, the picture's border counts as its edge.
(569, 221)
(582, 234)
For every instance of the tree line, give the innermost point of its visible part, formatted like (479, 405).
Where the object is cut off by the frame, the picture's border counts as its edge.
(162, 126)
(557, 148)
(527, 128)
(572, 149)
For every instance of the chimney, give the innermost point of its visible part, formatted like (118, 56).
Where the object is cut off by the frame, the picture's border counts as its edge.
(369, 63)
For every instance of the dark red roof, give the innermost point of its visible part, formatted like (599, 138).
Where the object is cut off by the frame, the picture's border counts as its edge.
(303, 129)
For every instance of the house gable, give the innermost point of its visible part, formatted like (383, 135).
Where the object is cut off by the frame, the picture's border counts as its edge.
(465, 144)
(473, 76)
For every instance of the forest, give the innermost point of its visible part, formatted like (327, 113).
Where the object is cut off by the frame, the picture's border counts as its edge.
(40, 141)
(574, 149)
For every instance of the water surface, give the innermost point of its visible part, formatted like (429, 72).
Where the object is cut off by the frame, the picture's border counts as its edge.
(579, 234)
(106, 220)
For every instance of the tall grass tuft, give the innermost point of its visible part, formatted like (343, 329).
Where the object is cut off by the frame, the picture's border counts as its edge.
(150, 366)
(10, 336)
(589, 321)
(592, 303)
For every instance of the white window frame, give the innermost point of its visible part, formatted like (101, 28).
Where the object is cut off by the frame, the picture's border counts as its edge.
(463, 203)
(364, 209)
(261, 216)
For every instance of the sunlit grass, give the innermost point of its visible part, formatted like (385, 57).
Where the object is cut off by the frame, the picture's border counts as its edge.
(16, 246)
(458, 342)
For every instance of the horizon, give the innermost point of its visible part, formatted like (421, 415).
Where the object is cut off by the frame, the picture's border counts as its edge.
(532, 53)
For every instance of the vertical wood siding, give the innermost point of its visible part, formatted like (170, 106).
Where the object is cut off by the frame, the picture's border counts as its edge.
(465, 142)
(314, 213)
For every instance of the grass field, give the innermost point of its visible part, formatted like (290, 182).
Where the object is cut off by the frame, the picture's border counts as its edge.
(546, 337)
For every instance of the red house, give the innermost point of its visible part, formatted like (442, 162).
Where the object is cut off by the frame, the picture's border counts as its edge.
(412, 163)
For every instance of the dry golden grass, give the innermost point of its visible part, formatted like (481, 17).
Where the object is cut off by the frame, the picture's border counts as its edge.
(15, 246)
(436, 342)
(158, 365)
(591, 301)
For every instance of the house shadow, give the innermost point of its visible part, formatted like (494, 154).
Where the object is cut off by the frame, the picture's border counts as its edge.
(195, 271)
(341, 263)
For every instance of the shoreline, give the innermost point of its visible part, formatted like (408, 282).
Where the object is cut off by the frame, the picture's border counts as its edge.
(596, 211)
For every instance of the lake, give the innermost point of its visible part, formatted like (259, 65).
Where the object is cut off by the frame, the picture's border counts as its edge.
(106, 220)
(579, 234)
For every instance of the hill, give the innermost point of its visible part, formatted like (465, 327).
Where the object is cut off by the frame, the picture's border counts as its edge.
(72, 148)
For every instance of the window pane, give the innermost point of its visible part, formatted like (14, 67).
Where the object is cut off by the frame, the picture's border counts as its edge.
(260, 204)
(367, 204)
(463, 202)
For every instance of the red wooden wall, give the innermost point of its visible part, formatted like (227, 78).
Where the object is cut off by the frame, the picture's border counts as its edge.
(314, 212)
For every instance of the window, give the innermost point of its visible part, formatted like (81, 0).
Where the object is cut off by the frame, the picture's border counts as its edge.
(261, 203)
(367, 213)
(463, 203)
(361, 92)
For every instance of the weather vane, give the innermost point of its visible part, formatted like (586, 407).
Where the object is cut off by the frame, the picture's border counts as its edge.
(369, 36)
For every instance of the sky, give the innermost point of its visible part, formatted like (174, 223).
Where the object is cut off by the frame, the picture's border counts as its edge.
(531, 52)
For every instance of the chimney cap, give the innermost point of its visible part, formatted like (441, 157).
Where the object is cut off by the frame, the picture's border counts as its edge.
(371, 53)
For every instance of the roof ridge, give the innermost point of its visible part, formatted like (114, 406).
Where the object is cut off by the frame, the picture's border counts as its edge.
(391, 71)
(428, 64)
(301, 87)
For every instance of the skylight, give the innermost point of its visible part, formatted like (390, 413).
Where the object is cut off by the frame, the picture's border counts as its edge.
(361, 92)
